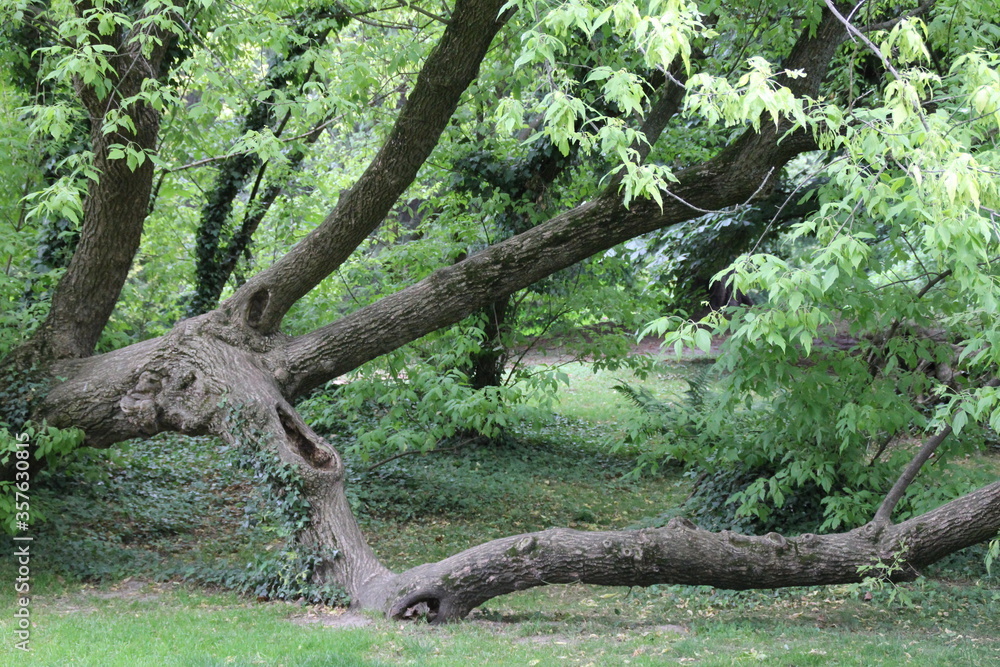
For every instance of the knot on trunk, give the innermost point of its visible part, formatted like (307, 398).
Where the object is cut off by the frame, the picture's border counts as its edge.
(679, 522)
(139, 404)
(777, 540)
(524, 545)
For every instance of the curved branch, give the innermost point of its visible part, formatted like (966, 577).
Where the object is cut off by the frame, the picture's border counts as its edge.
(731, 178)
(447, 72)
(891, 23)
(682, 553)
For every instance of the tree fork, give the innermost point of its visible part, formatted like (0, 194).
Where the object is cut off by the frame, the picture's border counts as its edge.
(177, 382)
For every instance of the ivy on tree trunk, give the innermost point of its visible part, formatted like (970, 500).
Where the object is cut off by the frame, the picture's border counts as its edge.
(235, 358)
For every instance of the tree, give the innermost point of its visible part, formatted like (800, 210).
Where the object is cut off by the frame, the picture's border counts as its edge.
(233, 372)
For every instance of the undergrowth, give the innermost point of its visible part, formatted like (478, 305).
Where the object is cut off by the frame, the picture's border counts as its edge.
(190, 508)
(178, 508)
(170, 507)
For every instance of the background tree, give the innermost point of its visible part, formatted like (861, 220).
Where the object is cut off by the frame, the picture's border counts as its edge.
(912, 152)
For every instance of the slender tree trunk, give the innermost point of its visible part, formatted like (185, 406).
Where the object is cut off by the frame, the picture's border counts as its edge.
(489, 362)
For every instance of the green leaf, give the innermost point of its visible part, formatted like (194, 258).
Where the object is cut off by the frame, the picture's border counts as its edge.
(703, 339)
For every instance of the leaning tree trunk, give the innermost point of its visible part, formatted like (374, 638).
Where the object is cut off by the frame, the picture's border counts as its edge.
(232, 373)
(179, 382)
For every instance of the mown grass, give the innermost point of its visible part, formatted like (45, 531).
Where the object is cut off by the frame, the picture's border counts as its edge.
(159, 626)
(582, 625)
(589, 396)
(158, 508)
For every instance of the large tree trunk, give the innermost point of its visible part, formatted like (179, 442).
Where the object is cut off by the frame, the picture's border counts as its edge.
(230, 372)
(178, 383)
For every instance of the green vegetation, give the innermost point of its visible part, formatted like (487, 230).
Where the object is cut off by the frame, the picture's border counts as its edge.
(135, 533)
(292, 265)
(148, 624)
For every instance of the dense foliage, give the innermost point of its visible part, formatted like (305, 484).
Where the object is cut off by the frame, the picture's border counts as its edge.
(870, 259)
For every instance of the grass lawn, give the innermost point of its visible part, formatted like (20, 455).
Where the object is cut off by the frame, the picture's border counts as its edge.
(166, 624)
(108, 568)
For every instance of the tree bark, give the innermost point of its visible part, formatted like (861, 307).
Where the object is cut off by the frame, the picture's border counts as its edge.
(231, 373)
(449, 69)
(682, 553)
(116, 204)
(460, 289)
(733, 177)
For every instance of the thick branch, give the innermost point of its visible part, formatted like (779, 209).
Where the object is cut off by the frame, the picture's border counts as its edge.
(884, 513)
(451, 293)
(681, 553)
(115, 207)
(176, 382)
(729, 179)
(448, 71)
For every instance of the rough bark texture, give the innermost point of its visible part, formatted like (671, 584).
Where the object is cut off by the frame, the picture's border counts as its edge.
(230, 372)
(116, 205)
(446, 74)
(460, 289)
(682, 553)
(191, 382)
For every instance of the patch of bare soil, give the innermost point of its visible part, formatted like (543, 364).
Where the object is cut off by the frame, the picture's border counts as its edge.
(130, 589)
(332, 617)
(127, 589)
